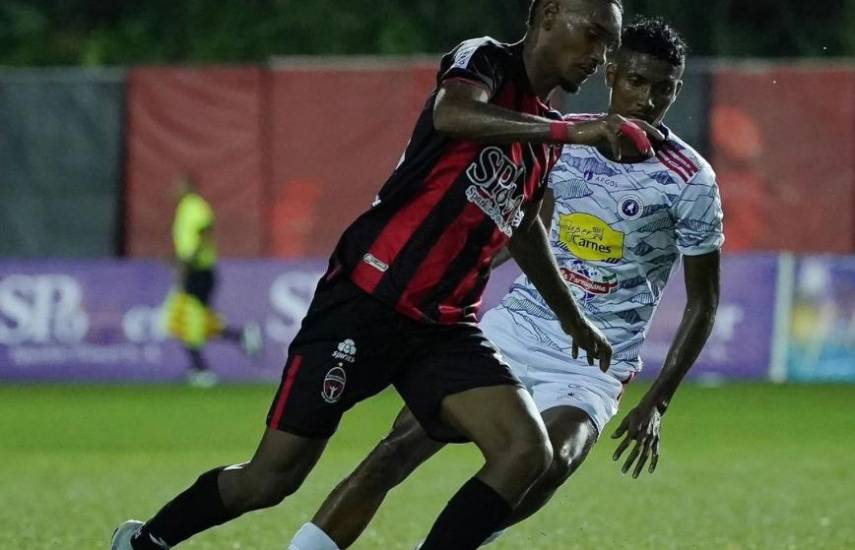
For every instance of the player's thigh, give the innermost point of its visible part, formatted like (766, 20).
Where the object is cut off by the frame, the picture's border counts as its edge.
(343, 354)
(498, 419)
(282, 453)
(455, 377)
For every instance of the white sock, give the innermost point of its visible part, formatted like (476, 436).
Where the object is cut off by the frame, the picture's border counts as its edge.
(312, 537)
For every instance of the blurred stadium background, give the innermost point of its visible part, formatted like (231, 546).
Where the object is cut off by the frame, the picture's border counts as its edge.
(290, 115)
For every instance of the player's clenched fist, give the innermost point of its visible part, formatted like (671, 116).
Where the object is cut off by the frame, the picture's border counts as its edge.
(611, 129)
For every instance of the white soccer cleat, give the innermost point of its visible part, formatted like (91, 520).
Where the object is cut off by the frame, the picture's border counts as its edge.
(251, 339)
(122, 535)
(203, 379)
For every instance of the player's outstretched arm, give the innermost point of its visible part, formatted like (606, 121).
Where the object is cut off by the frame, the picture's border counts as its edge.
(462, 111)
(642, 423)
(530, 248)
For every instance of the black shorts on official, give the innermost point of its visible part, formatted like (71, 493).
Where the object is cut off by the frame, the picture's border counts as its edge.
(200, 283)
(352, 346)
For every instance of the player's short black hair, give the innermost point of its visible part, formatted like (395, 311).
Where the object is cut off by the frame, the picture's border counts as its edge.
(655, 36)
(535, 4)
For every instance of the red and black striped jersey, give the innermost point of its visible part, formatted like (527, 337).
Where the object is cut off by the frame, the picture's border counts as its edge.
(427, 243)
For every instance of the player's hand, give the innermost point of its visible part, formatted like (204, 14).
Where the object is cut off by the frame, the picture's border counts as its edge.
(611, 129)
(589, 338)
(642, 426)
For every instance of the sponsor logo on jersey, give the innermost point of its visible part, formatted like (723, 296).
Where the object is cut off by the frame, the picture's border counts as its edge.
(586, 281)
(591, 280)
(589, 238)
(334, 383)
(495, 179)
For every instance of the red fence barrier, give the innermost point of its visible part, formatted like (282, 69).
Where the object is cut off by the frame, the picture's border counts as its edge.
(206, 122)
(784, 148)
(336, 135)
(289, 156)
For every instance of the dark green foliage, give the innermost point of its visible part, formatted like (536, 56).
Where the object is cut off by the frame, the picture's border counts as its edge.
(99, 32)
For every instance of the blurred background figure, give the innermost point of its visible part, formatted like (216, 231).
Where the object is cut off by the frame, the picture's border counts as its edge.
(189, 315)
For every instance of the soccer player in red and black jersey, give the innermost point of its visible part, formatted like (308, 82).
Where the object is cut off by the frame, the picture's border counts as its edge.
(398, 303)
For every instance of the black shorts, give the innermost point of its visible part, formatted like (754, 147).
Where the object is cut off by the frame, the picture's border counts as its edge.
(352, 346)
(200, 283)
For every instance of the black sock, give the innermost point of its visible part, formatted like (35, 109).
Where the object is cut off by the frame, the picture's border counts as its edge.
(197, 362)
(198, 508)
(231, 333)
(472, 515)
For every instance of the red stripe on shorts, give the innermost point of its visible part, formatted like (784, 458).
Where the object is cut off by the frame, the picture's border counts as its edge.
(293, 368)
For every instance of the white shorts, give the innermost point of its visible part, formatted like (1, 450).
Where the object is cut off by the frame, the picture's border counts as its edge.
(553, 380)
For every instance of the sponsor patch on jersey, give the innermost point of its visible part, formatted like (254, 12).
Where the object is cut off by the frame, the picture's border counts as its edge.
(589, 238)
(592, 282)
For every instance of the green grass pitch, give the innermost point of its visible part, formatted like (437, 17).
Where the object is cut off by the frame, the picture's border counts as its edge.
(743, 467)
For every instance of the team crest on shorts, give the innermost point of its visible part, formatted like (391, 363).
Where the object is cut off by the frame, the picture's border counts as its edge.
(334, 383)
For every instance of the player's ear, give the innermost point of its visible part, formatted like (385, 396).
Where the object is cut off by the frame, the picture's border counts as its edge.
(610, 73)
(549, 13)
(678, 88)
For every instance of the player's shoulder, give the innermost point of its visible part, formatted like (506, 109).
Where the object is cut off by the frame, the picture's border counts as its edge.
(685, 161)
(462, 54)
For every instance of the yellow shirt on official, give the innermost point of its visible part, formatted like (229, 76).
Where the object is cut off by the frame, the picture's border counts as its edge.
(191, 232)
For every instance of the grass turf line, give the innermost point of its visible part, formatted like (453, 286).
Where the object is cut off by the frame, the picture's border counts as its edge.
(743, 467)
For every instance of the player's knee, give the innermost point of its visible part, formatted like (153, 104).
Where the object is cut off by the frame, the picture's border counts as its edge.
(266, 489)
(530, 458)
(562, 467)
(274, 491)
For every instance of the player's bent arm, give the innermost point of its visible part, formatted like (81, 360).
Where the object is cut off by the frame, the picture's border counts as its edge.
(462, 111)
(701, 275)
(547, 207)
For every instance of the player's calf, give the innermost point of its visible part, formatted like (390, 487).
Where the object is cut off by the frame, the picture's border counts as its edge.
(278, 468)
(349, 509)
(517, 451)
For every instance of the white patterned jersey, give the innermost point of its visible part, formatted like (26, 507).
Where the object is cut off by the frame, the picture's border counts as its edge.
(618, 233)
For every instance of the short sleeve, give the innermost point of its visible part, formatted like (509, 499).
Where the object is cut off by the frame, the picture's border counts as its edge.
(699, 216)
(479, 60)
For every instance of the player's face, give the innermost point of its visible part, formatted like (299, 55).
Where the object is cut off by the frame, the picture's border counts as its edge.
(576, 35)
(643, 86)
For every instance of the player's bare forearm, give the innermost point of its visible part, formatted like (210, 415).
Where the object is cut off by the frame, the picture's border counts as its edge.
(462, 116)
(462, 111)
(530, 248)
(547, 207)
(702, 289)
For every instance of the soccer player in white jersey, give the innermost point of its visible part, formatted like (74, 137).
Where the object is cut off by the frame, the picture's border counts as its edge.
(619, 228)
